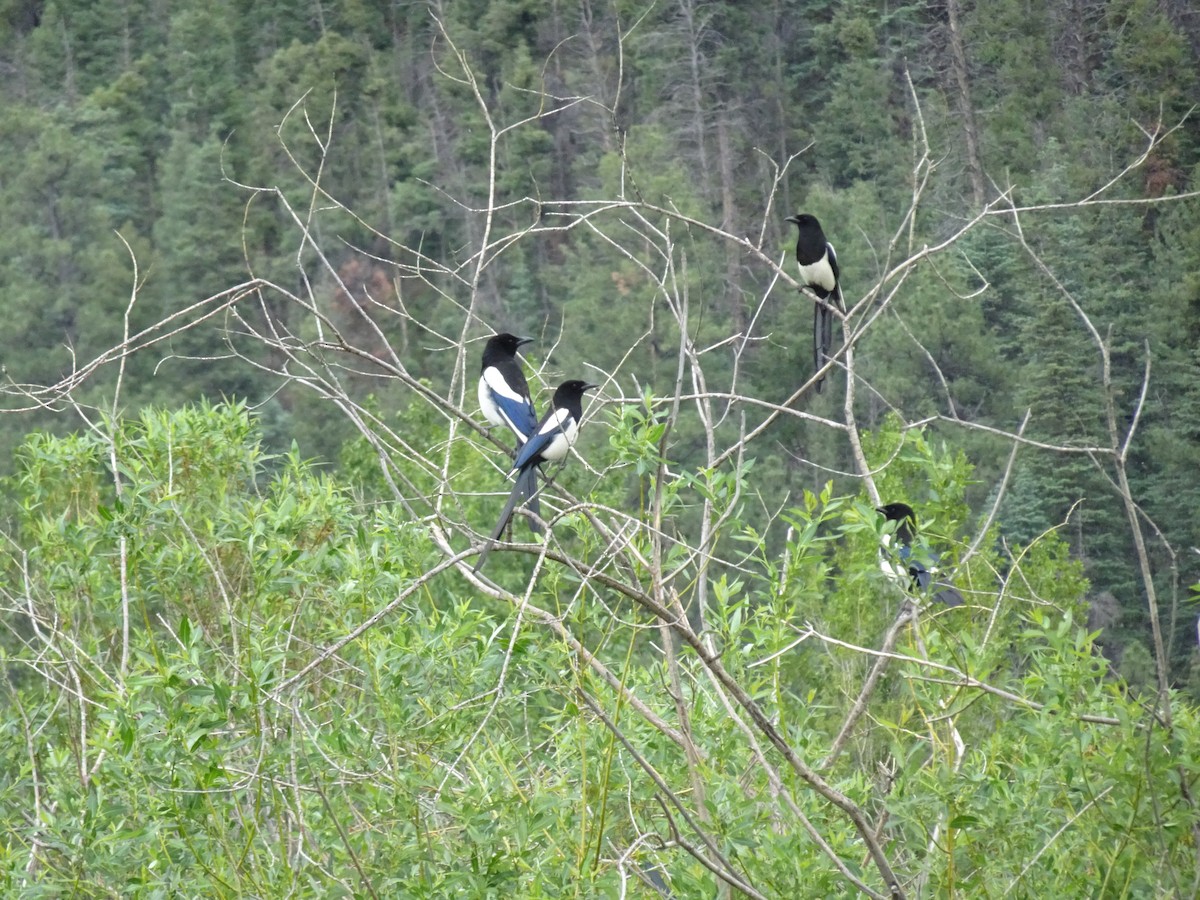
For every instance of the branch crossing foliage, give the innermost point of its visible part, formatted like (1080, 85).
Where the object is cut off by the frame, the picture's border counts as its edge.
(235, 670)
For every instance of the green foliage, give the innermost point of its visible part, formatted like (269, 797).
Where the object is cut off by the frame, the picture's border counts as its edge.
(442, 749)
(169, 574)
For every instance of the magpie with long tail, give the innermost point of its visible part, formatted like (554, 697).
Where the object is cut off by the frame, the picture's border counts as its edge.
(819, 272)
(549, 442)
(913, 571)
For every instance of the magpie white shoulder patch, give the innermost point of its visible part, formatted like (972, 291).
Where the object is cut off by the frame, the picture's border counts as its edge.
(496, 382)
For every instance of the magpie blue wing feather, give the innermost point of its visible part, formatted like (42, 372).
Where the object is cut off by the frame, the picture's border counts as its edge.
(920, 575)
(949, 595)
(518, 414)
(530, 453)
(550, 441)
(923, 578)
(512, 407)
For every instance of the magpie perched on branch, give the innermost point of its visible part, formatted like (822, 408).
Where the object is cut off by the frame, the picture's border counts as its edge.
(503, 391)
(818, 271)
(549, 441)
(906, 568)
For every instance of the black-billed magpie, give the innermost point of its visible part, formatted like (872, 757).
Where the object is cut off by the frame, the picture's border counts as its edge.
(901, 565)
(819, 271)
(503, 391)
(550, 441)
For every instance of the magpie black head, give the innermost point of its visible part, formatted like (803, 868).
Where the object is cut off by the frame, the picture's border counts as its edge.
(904, 514)
(897, 511)
(923, 577)
(810, 228)
(811, 245)
(502, 346)
(571, 390)
(569, 396)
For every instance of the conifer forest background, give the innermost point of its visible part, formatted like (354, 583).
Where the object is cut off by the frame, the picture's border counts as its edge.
(250, 254)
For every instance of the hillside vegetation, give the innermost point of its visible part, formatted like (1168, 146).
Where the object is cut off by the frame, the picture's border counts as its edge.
(252, 250)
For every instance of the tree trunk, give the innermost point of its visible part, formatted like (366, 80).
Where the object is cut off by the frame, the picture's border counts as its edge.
(736, 306)
(958, 58)
(696, 65)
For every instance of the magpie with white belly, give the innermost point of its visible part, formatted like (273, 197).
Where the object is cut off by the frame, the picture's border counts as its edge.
(550, 441)
(906, 568)
(819, 272)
